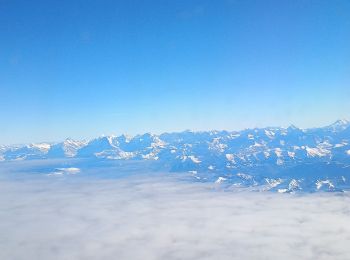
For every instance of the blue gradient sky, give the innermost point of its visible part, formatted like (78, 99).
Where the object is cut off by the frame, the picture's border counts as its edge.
(84, 68)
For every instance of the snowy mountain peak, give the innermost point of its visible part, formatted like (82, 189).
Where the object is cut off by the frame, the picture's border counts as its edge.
(339, 125)
(293, 127)
(44, 147)
(342, 122)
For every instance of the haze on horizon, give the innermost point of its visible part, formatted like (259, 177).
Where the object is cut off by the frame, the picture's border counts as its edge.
(84, 68)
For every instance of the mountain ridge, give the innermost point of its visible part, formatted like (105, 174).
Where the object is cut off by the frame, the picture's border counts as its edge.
(320, 156)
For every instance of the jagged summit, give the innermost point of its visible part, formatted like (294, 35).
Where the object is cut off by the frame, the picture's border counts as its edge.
(293, 127)
(341, 122)
(339, 125)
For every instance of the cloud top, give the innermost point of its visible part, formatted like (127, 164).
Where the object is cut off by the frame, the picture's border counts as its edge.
(152, 217)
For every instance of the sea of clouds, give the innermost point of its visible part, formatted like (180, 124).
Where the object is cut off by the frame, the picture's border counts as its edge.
(159, 216)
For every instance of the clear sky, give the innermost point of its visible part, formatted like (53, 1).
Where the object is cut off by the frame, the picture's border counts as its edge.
(84, 68)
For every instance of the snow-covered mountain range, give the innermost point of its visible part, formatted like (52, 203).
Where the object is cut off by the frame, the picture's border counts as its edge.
(284, 159)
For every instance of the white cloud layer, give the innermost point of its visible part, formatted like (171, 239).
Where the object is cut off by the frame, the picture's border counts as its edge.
(163, 218)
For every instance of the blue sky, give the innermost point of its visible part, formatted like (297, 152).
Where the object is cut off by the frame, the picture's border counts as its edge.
(84, 68)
